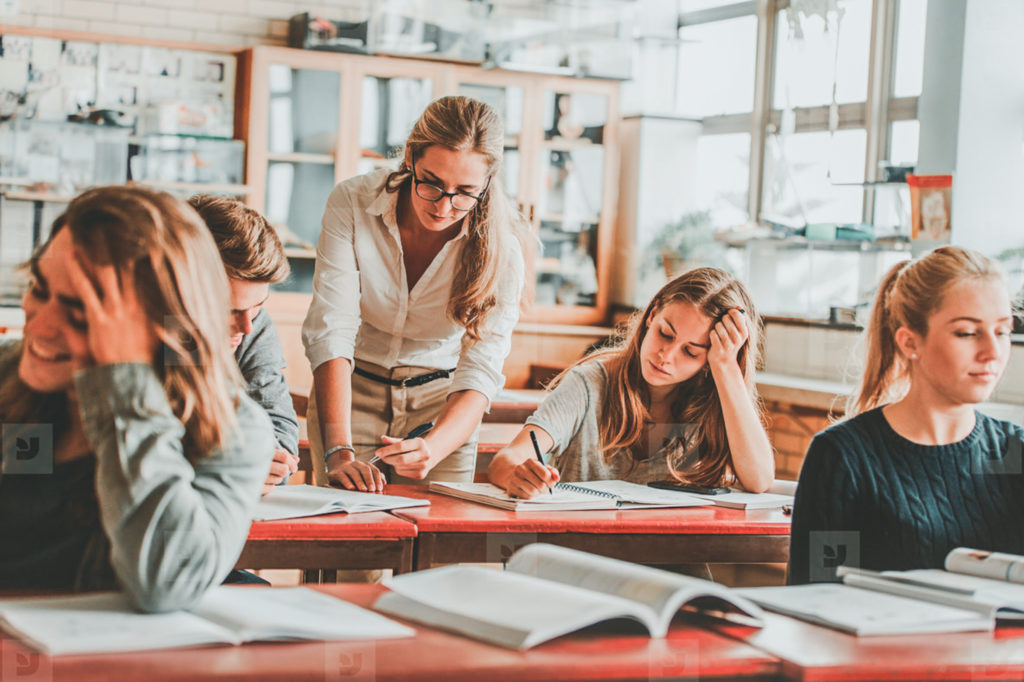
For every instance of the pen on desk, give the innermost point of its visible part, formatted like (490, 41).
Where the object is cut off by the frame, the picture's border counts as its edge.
(415, 433)
(540, 457)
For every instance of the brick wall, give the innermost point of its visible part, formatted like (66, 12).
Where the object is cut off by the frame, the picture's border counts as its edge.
(790, 429)
(235, 23)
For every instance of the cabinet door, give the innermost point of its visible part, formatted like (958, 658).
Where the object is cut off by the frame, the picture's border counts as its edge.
(390, 106)
(301, 142)
(572, 167)
(508, 101)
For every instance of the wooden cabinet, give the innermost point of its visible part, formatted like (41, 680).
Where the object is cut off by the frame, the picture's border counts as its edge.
(311, 119)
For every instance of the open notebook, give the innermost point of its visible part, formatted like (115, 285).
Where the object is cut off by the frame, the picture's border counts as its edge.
(106, 622)
(293, 501)
(976, 589)
(571, 496)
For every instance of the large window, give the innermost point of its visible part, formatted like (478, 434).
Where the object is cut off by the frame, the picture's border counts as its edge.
(803, 105)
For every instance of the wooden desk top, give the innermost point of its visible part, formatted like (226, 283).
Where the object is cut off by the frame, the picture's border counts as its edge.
(813, 653)
(450, 514)
(362, 526)
(432, 655)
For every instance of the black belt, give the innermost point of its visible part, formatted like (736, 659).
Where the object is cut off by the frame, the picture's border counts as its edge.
(408, 381)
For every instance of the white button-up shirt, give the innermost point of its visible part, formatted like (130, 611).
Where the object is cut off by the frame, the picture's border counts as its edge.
(363, 309)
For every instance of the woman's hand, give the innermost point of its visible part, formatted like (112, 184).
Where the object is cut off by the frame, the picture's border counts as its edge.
(283, 464)
(728, 336)
(117, 328)
(530, 478)
(410, 457)
(355, 475)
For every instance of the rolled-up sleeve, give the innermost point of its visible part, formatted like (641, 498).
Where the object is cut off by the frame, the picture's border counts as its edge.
(481, 361)
(330, 328)
(175, 528)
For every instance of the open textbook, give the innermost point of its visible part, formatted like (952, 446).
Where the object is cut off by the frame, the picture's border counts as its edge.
(548, 591)
(977, 588)
(571, 496)
(293, 501)
(106, 622)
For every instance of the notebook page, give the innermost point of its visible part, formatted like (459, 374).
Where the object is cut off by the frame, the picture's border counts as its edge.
(642, 494)
(293, 613)
(106, 622)
(294, 501)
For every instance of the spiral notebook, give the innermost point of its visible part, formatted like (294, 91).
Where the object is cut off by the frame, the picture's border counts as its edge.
(571, 496)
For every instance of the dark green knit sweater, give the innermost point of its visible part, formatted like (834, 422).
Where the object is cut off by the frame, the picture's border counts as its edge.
(870, 498)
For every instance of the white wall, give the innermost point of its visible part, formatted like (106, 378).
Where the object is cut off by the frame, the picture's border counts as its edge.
(988, 183)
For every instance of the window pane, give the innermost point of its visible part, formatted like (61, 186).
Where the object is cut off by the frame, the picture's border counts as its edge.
(694, 5)
(804, 172)
(723, 176)
(910, 48)
(716, 67)
(812, 53)
(903, 142)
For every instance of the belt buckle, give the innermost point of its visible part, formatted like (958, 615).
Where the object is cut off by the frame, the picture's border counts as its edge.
(404, 383)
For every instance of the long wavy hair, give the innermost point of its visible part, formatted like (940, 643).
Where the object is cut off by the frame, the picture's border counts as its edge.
(182, 286)
(625, 406)
(466, 124)
(907, 296)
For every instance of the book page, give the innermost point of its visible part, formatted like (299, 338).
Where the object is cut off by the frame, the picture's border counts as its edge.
(503, 607)
(295, 501)
(985, 590)
(293, 613)
(994, 565)
(865, 612)
(659, 590)
(105, 622)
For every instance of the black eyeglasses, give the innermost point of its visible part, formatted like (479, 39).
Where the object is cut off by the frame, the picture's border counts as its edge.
(461, 201)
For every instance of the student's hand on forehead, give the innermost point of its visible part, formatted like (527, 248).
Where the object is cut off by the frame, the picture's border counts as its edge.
(118, 329)
(728, 335)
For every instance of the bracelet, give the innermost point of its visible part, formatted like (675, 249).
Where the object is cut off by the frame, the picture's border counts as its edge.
(338, 448)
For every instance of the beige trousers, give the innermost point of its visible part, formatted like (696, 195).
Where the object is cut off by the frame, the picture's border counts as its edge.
(379, 409)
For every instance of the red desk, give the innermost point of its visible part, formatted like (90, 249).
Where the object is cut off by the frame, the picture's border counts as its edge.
(432, 655)
(818, 654)
(451, 530)
(349, 541)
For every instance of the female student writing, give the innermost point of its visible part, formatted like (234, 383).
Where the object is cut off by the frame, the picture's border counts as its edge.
(132, 457)
(676, 400)
(916, 470)
(416, 291)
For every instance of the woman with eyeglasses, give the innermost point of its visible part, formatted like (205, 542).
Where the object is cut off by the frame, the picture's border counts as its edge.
(418, 278)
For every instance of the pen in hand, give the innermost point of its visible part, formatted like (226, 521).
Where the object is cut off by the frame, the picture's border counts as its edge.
(415, 433)
(540, 457)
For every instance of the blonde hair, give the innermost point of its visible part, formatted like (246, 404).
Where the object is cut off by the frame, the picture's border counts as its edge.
(465, 124)
(183, 289)
(248, 245)
(907, 296)
(624, 407)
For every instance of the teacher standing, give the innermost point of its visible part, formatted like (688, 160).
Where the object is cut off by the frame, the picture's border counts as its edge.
(416, 290)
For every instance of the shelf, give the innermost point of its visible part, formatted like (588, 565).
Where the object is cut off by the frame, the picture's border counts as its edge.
(299, 252)
(566, 144)
(39, 196)
(301, 157)
(237, 190)
(560, 218)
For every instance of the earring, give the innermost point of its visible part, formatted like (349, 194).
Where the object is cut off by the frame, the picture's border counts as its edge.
(913, 356)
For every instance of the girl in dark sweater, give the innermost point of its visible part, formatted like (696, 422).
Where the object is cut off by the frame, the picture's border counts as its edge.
(916, 470)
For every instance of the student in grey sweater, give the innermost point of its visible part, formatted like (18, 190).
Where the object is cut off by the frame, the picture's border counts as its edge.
(254, 259)
(918, 471)
(132, 457)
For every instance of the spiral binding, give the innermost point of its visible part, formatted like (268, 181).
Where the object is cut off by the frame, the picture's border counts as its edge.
(586, 491)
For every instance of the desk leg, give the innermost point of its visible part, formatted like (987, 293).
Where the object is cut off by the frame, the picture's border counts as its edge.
(423, 555)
